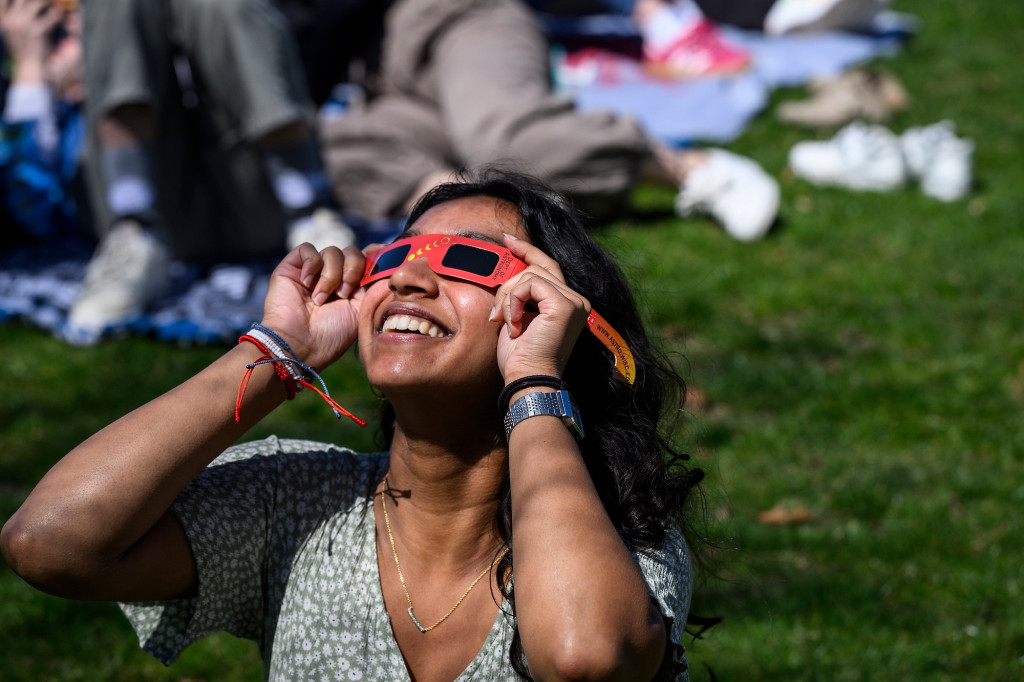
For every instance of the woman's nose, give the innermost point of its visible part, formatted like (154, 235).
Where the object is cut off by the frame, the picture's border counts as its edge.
(414, 277)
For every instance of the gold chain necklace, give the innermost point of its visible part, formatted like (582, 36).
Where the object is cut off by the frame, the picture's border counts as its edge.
(401, 577)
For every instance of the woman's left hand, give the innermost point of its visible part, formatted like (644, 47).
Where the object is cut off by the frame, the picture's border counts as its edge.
(543, 316)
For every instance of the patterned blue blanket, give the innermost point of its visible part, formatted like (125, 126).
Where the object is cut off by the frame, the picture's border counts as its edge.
(205, 303)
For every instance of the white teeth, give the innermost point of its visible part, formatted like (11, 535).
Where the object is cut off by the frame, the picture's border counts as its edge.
(412, 324)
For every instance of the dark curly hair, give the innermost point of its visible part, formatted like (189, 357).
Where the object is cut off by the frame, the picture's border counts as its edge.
(645, 483)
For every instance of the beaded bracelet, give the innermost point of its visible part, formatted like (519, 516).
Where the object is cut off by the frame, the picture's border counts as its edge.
(528, 382)
(289, 368)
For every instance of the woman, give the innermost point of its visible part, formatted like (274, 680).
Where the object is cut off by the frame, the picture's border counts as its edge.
(400, 563)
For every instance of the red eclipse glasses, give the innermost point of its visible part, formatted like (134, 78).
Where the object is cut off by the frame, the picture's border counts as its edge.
(460, 257)
(483, 263)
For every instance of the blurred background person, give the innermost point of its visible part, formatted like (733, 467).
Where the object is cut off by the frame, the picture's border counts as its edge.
(201, 146)
(466, 83)
(41, 129)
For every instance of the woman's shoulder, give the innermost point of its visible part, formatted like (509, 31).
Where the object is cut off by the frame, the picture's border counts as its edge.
(668, 572)
(669, 561)
(302, 463)
(299, 450)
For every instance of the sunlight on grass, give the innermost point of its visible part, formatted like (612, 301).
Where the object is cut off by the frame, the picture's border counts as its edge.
(860, 373)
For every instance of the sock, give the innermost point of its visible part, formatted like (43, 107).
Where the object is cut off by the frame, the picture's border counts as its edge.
(131, 191)
(297, 176)
(668, 22)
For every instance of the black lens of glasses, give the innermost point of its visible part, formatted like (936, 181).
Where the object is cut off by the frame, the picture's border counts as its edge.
(470, 259)
(391, 260)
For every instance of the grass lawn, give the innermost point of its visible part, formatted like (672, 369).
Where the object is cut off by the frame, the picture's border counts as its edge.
(864, 377)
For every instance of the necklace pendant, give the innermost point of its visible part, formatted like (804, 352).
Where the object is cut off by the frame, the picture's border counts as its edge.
(415, 622)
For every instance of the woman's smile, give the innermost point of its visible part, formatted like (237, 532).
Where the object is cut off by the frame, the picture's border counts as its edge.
(410, 325)
(410, 321)
(420, 325)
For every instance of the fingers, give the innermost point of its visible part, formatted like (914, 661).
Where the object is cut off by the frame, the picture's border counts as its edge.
(39, 9)
(542, 320)
(533, 255)
(30, 17)
(514, 296)
(332, 271)
(536, 289)
(52, 15)
(352, 273)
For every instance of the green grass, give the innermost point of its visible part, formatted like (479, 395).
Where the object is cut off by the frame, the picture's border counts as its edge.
(865, 364)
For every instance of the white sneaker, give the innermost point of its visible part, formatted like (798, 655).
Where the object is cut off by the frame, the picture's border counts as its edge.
(129, 270)
(806, 16)
(860, 157)
(322, 228)
(941, 161)
(735, 191)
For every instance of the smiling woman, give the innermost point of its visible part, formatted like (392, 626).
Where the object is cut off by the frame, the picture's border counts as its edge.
(399, 564)
(475, 260)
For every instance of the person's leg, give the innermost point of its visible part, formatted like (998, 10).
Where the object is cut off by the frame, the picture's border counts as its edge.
(245, 56)
(127, 135)
(382, 158)
(489, 78)
(124, 49)
(126, 53)
(732, 189)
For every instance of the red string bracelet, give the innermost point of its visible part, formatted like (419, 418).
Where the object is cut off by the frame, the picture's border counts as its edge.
(292, 380)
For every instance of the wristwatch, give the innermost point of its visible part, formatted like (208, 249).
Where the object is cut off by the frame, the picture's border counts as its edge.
(558, 404)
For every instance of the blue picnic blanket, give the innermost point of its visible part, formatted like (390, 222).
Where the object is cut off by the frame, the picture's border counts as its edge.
(713, 110)
(205, 303)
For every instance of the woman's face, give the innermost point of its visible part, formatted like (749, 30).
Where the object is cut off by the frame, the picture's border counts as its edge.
(419, 328)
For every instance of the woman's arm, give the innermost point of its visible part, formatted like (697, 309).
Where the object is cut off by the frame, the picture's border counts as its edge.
(581, 602)
(582, 605)
(97, 526)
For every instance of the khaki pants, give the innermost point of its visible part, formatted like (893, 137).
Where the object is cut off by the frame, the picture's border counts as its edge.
(466, 83)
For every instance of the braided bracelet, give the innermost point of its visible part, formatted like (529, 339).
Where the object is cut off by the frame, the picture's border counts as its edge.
(295, 374)
(529, 382)
(280, 352)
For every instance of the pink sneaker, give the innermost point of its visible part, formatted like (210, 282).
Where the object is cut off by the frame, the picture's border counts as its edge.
(700, 51)
(592, 66)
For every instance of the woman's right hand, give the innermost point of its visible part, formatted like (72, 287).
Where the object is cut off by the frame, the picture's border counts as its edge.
(313, 301)
(98, 525)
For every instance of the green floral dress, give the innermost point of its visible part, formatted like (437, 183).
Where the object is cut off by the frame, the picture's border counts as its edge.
(283, 536)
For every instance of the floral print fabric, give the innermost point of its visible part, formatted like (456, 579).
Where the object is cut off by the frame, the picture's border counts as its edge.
(284, 540)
